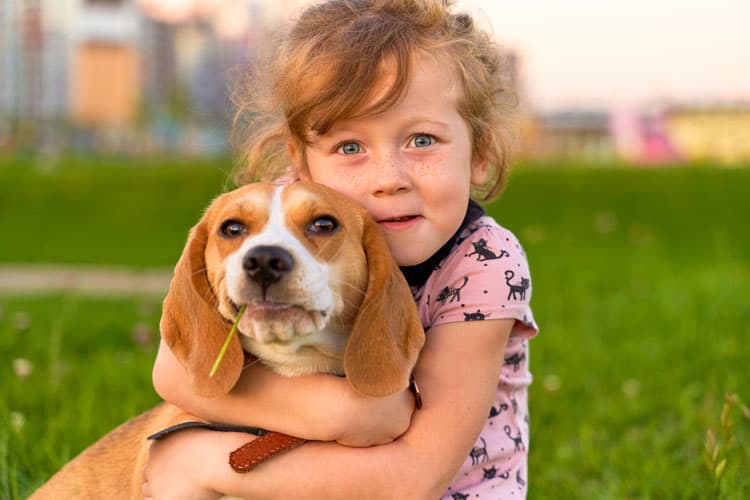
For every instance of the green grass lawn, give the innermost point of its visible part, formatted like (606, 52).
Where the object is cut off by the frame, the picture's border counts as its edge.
(104, 210)
(641, 290)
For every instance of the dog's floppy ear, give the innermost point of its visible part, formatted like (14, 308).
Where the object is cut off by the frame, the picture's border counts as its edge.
(192, 326)
(387, 335)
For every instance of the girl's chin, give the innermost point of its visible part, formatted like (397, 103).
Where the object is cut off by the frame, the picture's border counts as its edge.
(410, 248)
(413, 255)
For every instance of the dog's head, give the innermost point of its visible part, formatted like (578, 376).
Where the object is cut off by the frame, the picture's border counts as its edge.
(323, 293)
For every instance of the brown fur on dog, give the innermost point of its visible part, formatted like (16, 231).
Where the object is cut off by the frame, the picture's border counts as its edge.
(380, 319)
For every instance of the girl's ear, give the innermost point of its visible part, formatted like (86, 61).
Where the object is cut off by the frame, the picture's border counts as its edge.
(479, 169)
(294, 152)
(297, 155)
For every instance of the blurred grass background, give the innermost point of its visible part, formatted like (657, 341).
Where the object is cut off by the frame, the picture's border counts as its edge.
(107, 211)
(641, 289)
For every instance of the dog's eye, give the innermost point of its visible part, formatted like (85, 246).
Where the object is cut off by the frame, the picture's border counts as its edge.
(325, 224)
(233, 229)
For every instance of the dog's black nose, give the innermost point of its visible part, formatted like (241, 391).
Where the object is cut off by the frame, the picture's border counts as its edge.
(267, 264)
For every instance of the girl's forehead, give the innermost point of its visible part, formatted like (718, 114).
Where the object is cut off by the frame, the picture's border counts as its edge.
(425, 74)
(421, 68)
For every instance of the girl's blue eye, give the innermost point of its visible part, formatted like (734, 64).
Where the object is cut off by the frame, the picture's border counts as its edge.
(349, 148)
(423, 140)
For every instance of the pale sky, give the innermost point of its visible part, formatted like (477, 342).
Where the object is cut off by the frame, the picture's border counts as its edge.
(613, 53)
(609, 54)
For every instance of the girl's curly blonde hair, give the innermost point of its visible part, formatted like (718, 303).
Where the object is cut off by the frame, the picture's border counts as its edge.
(324, 68)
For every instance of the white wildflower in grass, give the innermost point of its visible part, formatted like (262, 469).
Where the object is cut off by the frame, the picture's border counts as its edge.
(605, 222)
(631, 388)
(551, 382)
(21, 321)
(22, 367)
(17, 421)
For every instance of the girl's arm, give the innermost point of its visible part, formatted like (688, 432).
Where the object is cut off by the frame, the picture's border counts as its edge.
(317, 407)
(457, 371)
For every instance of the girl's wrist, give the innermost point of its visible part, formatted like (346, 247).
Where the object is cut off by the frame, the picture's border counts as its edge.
(340, 407)
(344, 406)
(219, 475)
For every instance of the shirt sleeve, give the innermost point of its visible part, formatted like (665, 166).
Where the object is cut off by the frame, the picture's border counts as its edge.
(485, 277)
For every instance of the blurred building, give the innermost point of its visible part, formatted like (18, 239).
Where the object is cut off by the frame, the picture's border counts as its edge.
(711, 133)
(583, 135)
(154, 75)
(106, 73)
(642, 137)
(9, 56)
(33, 59)
(105, 86)
(664, 135)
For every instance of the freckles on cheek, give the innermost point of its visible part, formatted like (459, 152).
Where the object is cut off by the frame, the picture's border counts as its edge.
(424, 168)
(347, 184)
(435, 168)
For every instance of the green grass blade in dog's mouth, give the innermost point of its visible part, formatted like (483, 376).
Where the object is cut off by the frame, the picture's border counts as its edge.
(226, 342)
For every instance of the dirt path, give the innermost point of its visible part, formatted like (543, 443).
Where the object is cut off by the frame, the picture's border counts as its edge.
(90, 280)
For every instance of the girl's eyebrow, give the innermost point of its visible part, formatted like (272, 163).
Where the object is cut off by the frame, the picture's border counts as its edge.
(417, 121)
(344, 130)
(334, 134)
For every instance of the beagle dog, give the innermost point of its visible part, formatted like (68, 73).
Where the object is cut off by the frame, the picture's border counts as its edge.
(322, 295)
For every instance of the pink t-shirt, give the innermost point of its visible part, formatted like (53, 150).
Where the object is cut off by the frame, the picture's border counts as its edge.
(486, 276)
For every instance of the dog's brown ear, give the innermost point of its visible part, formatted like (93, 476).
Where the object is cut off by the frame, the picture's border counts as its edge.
(387, 335)
(192, 326)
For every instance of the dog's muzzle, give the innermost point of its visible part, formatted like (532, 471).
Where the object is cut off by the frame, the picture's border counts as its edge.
(270, 318)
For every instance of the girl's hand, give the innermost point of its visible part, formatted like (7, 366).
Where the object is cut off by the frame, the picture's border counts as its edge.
(180, 465)
(375, 421)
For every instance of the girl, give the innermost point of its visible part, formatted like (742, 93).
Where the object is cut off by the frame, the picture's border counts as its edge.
(400, 105)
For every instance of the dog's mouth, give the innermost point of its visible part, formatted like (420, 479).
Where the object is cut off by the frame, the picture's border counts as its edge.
(278, 321)
(271, 310)
(265, 308)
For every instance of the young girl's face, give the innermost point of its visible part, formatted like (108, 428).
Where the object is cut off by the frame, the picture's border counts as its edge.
(410, 166)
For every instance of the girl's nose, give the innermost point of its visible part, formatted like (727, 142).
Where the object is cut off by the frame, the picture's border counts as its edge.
(391, 176)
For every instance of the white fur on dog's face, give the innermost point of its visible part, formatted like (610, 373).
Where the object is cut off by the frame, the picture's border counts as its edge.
(300, 323)
(306, 288)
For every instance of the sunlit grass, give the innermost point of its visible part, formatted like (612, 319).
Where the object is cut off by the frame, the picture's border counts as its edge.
(641, 284)
(104, 211)
(70, 369)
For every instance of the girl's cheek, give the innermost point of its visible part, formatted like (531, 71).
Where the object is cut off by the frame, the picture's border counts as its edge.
(425, 168)
(345, 183)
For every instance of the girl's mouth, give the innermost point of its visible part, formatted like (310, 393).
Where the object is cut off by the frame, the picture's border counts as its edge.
(400, 219)
(402, 222)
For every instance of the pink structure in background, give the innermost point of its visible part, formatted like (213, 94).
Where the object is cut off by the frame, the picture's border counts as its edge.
(643, 138)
